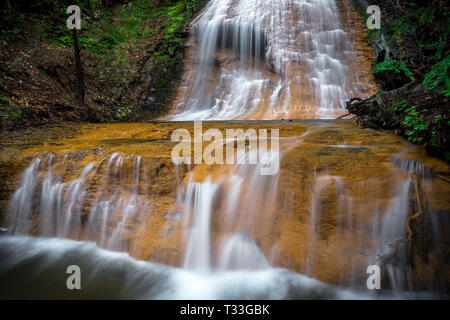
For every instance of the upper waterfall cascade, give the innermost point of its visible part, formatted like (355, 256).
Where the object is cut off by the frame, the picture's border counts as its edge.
(269, 59)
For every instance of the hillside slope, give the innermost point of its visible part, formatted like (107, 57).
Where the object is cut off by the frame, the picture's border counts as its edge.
(132, 53)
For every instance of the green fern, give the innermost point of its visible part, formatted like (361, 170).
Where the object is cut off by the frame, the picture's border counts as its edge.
(395, 65)
(439, 74)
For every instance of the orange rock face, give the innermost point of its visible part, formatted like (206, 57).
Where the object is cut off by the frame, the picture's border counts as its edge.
(323, 214)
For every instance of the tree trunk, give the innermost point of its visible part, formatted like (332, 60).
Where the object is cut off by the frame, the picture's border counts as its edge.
(79, 85)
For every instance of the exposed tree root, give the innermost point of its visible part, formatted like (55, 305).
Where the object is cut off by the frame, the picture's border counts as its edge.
(387, 258)
(440, 176)
(419, 210)
(343, 116)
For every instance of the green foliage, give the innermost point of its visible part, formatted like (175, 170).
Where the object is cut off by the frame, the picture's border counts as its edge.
(9, 108)
(123, 112)
(439, 117)
(168, 53)
(395, 65)
(4, 100)
(175, 17)
(401, 27)
(439, 74)
(107, 34)
(15, 114)
(426, 26)
(177, 14)
(7, 6)
(399, 105)
(89, 4)
(419, 37)
(414, 124)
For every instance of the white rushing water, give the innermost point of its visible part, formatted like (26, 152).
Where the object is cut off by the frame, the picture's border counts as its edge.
(62, 201)
(241, 196)
(253, 58)
(271, 58)
(198, 205)
(40, 272)
(242, 206)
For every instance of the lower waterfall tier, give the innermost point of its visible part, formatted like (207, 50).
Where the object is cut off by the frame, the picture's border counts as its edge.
(342, 200)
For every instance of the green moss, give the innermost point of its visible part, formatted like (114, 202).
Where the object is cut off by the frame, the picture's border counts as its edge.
(169, 55)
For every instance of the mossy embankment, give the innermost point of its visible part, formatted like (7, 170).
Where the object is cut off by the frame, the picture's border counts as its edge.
(132, 54)
(412, 70)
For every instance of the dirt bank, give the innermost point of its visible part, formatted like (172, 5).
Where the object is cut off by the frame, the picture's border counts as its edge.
(131, 55)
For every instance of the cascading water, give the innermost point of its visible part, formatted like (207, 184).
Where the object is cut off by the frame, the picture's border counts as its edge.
(240, 252)
(339, 203)
(198, 204)
(269, 59)
(393, 232)
(321, 216)
(63, 205)
(245, 195)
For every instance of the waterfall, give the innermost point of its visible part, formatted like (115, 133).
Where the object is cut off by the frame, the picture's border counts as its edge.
(198, 204)
(319, 215)
(268, 59)
(64, 201)
(140, 280)
(321, 183)
(112, 199)
(240, 252)
(20, 207)
(393, 230)
(241, 206)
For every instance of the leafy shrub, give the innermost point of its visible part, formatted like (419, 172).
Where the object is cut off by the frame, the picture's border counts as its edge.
(123, 112)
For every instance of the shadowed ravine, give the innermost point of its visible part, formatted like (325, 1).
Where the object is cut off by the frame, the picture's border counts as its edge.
(109, 198)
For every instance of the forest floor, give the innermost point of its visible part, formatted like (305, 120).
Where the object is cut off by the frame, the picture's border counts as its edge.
(131, 53)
